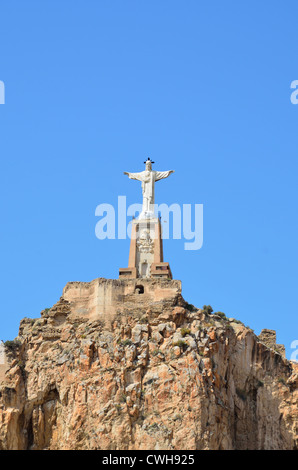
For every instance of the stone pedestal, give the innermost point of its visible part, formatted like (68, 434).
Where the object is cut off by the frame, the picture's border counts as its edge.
(146, 252)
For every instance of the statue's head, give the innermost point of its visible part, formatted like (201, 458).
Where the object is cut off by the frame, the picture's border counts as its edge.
(148, 164)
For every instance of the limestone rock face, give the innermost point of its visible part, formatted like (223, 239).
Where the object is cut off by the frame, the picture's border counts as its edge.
(156, 376)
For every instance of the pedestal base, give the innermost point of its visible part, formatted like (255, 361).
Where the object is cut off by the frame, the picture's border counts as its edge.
(128, 273)
(146, 252)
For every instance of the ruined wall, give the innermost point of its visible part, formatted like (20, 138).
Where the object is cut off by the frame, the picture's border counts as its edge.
(3, 362)
(268, 337)
(103, 299)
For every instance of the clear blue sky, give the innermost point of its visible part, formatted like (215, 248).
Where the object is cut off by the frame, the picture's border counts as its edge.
(92, 88)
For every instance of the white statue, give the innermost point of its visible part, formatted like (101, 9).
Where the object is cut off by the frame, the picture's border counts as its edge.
(148, 178)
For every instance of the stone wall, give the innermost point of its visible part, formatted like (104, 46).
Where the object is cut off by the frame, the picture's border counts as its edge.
(104, 299)
(268, 337)
(3, 362)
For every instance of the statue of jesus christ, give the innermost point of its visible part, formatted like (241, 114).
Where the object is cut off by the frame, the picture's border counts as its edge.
(148, 178)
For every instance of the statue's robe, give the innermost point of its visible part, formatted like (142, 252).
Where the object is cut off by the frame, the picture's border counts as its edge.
(148, 179)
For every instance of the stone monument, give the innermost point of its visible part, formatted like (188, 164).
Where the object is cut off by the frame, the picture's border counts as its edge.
(108, 300)
(146, 246)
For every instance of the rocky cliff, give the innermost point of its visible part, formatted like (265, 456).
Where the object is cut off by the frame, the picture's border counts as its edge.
(160, 374)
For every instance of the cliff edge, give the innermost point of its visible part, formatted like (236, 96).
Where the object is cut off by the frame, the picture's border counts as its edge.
(123, 365)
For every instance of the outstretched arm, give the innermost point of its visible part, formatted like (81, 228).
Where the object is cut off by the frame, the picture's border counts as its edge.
(160, 175)
(134, 176)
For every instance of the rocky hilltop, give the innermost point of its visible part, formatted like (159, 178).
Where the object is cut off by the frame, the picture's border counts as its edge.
(118, 365)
